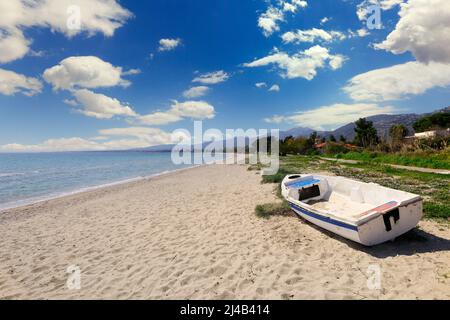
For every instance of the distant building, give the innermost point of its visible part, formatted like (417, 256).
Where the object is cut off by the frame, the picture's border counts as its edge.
(322, 145)
(429, 134)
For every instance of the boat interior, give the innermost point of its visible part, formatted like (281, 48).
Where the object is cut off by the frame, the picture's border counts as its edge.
(342, 197)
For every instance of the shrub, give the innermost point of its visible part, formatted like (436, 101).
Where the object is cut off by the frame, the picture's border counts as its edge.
(273, 209)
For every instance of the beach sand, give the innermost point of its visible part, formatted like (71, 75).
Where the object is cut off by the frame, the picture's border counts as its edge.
(194, 235)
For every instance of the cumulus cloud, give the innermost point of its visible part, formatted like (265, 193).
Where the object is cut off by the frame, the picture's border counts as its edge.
(159, 118)
(196, 92)
(332, 116)
(193, 109)
(212, 77)
(98, 16)
(398, 82)
(12, 83)
(423, 30)
(101, 106)
(168, 44)
(178, 111)
(269, 20)
(294, 5)
(301, 65)
(312, 35)
(85, 72)
(275, 88)
(110, 139)
(261, 85)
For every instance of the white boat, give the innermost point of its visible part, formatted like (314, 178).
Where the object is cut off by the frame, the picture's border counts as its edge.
(363, 212)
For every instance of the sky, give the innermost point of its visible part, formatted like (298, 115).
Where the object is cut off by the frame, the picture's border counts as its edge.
(107, 74)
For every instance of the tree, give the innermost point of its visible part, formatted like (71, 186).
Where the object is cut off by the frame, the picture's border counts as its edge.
(313, 137)
(439, 120)
(332, 138)
(397, 132)
(342, 139)
(366, 134)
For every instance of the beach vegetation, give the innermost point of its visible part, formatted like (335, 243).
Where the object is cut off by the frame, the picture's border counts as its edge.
(268, 210)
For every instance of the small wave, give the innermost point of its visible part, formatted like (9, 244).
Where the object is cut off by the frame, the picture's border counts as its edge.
(11, 174)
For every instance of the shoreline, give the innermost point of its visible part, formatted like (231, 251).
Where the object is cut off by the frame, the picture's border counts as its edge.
(36, 200)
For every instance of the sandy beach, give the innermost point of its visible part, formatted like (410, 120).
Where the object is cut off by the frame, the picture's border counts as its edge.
(193, 234)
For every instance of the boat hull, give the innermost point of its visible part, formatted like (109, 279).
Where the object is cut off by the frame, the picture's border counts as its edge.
(370, 233)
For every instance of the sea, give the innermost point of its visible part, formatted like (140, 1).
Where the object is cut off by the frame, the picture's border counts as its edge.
(26, 178)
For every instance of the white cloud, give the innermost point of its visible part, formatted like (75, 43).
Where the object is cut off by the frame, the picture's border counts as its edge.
(301, 65)
(336, 61)
(71, 102)
(423, 29)
(362, 33)
(268, 21)
(312, 35)
(275, 88)
(151, 136)
(13, 45)
(294, 5)
(126, 138)
(12, 83)
(159, 118)
(363, 12)
(261, 85)
(333, 116)
(193, 109)
(85, 72)
(101, 106)
(97, 16)
(398, 81)
(276, 119)
(212, 77)
(132, 72)
(61, 144)
(178, 111)
(324, 20)
(196, 92)
(168, 44)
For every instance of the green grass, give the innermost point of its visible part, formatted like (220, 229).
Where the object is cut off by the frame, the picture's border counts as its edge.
(273, 209)
(436, 210)
(278, 177)
(434, 160)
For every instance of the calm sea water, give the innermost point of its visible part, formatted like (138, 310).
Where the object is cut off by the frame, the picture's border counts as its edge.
(27, 178)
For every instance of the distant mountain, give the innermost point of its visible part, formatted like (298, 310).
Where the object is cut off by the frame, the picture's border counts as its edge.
(382, 123)
(160, 148)
(296, 132)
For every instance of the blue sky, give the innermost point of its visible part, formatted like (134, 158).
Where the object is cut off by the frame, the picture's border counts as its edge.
(112, 84)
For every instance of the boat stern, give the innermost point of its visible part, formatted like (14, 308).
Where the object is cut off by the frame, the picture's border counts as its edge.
(391, 224)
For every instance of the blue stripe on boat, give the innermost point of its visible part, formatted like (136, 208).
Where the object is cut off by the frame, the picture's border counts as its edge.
(322, 218)
(298, 184)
